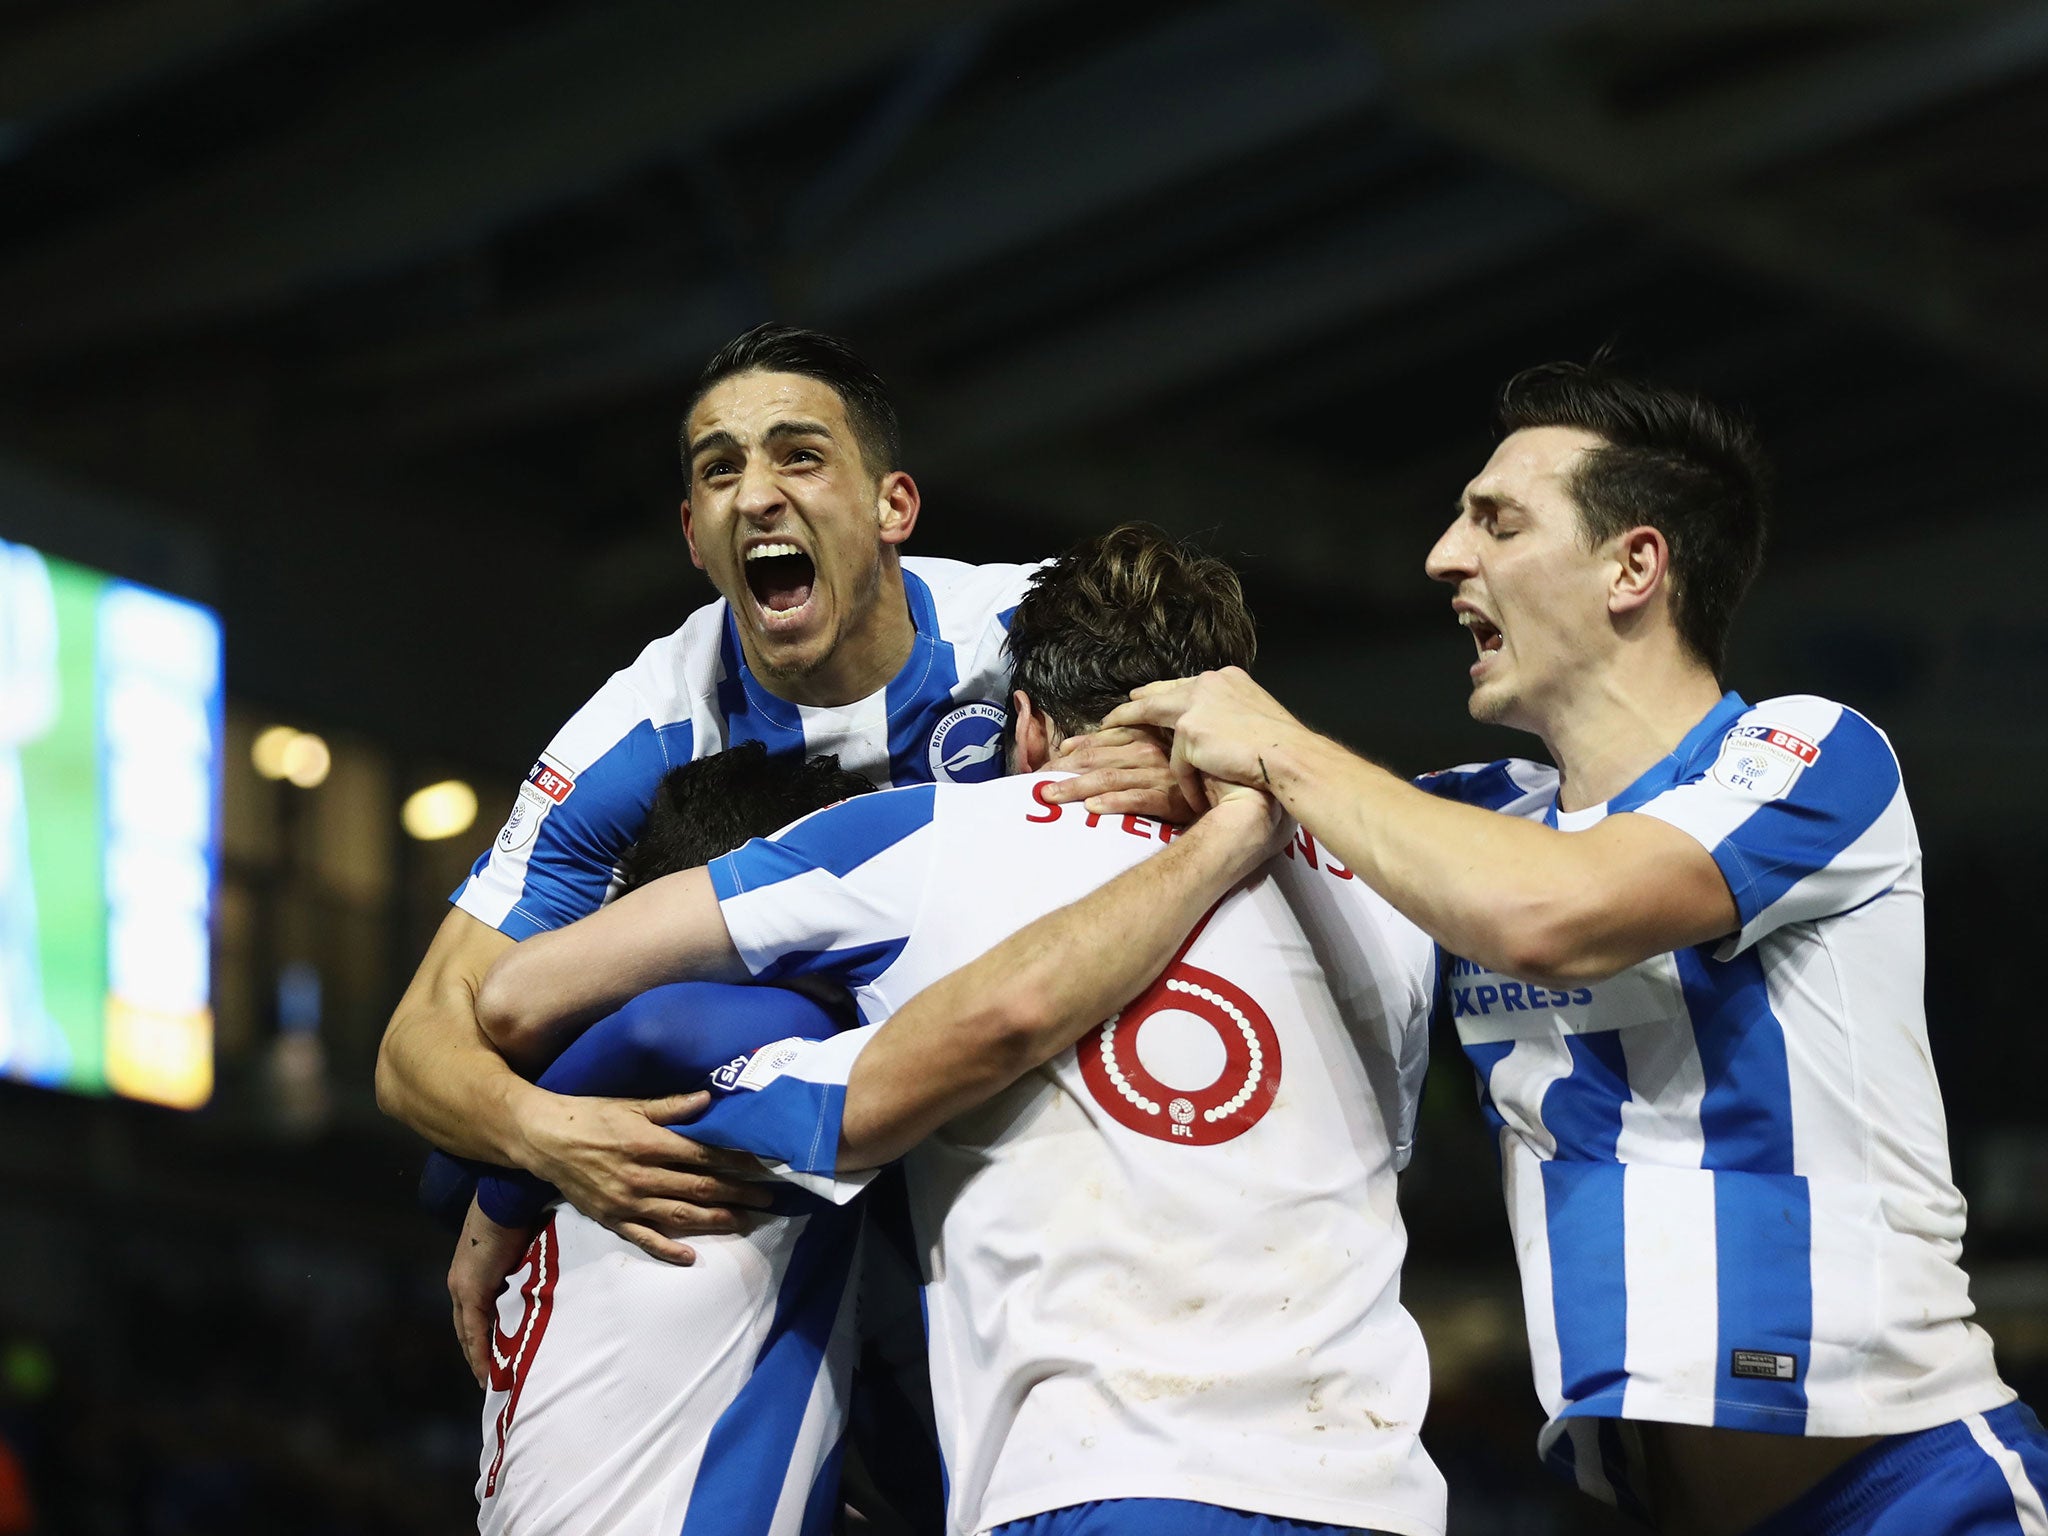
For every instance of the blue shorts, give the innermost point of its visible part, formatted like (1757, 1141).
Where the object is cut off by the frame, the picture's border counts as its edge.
(1984, 1475)
(1163, 1517)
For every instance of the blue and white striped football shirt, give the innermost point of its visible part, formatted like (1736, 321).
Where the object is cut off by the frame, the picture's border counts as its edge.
(1727, 1168)
(691, 694)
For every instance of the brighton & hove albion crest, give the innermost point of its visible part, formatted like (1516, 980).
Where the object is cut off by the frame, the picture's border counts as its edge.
(967, 746)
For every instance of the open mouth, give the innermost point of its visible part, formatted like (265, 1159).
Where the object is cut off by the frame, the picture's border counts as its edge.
(1484, 634)
(780, 576)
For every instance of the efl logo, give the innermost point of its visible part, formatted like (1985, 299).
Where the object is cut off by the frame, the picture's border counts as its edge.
(551, 781)
(1807, 753)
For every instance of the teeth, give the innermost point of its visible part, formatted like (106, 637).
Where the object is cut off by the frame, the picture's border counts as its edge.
(769, 551)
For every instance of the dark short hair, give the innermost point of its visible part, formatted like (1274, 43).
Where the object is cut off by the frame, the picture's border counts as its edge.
(1667, 460)
(1124, 608)
(711, 806)
(774, 348)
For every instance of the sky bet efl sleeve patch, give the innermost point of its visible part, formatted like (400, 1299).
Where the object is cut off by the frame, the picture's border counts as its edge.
(1762, 760)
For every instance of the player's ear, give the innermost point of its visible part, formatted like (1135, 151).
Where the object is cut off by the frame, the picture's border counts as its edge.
(1034, 733)
(690, 536)
(1642, 566)
(896, 506)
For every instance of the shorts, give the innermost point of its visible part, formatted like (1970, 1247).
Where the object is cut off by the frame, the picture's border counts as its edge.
(1163, 1517)
(1984, 1475)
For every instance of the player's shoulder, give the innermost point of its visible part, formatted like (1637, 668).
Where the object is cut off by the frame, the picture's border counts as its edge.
(967, 594)
(1516, 786)
(850, 832)
(1806, 731)
(655, 698)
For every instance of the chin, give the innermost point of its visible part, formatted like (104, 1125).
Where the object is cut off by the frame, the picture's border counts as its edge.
(797, 655)
(1490, 706)
(792, 661)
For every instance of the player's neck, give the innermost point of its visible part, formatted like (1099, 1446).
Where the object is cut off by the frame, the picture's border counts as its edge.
(1622, 721)
(869, 653)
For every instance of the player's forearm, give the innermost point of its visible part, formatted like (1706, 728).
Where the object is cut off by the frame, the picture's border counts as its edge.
(976, 1031)
(668, 930)
(437, 1074)
(1522, 899)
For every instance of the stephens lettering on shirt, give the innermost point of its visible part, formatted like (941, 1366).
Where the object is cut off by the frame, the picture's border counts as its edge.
(1304, 844)
(1136, 826)
(1303, 847)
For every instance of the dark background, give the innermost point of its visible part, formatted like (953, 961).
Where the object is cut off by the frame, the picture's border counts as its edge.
(368, 321)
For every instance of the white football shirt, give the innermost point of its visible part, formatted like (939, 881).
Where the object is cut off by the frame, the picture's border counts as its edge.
(1166, 1264)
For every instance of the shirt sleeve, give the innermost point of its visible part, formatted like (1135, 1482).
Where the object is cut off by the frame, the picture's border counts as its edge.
(834, 895)
(1382, 969)
(785, 1105)
(677, 1039)
(580, 808)
(1801, 806)
(1405, 978)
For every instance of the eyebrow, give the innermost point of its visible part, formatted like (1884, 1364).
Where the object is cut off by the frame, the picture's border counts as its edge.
(718, 439)
(1489, 502)
(781, 431)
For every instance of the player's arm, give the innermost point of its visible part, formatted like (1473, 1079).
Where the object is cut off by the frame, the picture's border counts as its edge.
(612, 1159)
(667, 930)
(973, 1033)
(1557, 908)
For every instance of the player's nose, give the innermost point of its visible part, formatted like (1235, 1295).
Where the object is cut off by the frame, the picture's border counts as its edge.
(760, 494)
(1450, 558)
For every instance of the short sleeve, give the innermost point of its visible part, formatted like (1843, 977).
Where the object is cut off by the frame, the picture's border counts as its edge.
(1382, 970)
(1801, 806)
(1404, 975)
(580, 808)
(785, 1104)
(833, 895)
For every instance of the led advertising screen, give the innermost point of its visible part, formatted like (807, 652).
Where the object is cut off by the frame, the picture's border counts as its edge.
(110, 770)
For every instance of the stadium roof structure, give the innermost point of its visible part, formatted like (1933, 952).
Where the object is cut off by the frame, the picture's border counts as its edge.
(395, 302)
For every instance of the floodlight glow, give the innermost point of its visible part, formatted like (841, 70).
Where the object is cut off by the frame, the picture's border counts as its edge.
(267, 751)
(440, 810)
(306, 760)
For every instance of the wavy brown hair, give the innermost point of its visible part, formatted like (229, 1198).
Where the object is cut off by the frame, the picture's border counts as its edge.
(1124, 608)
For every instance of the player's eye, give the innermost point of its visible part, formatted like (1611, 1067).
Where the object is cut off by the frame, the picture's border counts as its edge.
(717, 469)
(805, 456)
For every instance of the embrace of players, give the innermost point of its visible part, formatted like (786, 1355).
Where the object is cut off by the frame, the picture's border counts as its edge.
(1124, 975)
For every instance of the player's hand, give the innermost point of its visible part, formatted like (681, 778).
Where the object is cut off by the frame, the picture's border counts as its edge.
(1254, 821)
(485, 1254)
(617, 1162)
(1223, 726)
(1124, 772)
